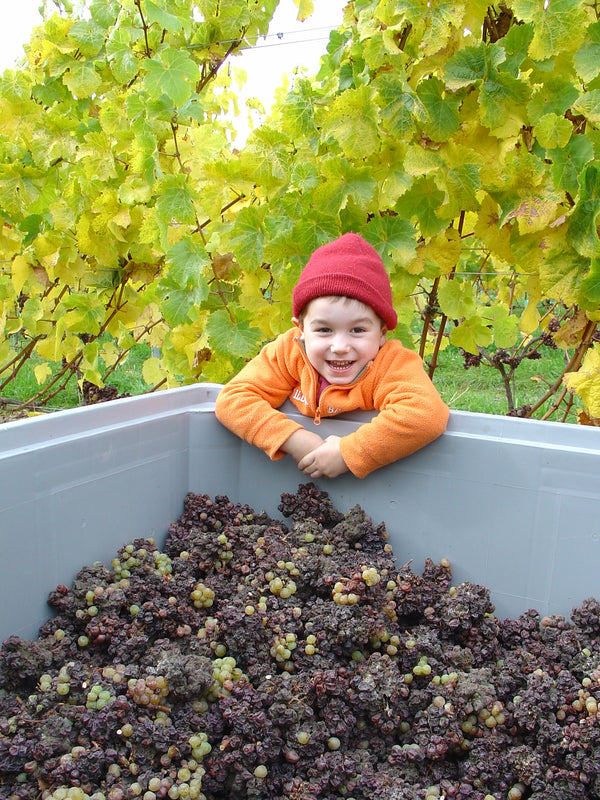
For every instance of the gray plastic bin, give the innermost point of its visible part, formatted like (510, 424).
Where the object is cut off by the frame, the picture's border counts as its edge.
(514, 504)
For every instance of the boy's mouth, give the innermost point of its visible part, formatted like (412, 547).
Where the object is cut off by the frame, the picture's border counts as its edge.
(339, 365)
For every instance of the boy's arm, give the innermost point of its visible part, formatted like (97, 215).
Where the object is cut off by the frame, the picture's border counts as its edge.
(248, 405)
(411, 414)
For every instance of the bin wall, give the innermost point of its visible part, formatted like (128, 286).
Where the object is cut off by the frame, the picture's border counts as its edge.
(513, 504)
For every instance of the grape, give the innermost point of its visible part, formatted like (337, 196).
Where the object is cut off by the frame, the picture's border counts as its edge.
(252, 658)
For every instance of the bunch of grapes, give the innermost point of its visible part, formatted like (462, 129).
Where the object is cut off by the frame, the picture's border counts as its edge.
(252, 658)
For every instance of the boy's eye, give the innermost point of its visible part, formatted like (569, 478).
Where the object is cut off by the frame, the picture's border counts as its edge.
(358, 329)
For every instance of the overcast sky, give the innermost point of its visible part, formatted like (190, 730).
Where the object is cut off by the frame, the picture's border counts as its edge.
(301, 43)
(290, 44)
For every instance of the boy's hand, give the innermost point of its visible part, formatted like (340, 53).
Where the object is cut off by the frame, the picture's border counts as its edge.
(301, 443)
(325, 461)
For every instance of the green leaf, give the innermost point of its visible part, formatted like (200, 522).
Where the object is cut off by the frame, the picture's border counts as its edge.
(505, 326)
(555, 95)
(344, 181)
(559, 25)
(442, 109)
(465, 67)
(88, 35)
(85, 313)
(471, 334)
(422, 201)
(501, 95)
(186, 261)
(81, 79)
(394, 238)
(588, 104)
(247, 236)
(123, 62)
(567, 163)
(304, 176)
(587, 58)
(353, 122)
(172, 73)
(105, 12)
(455, 302)
(589, 291)
(238, 339)
(176, 200)
(553, 131)
(462, 184)
(583, 232)
(400, 107)
(170, 22)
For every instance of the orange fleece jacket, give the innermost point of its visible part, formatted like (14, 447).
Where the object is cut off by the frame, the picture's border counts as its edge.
(411, 412)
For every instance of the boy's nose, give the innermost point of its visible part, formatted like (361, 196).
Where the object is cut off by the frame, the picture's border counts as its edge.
(339, 344)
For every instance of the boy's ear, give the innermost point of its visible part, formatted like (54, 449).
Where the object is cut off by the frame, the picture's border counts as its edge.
(298, 323)
(383, 335)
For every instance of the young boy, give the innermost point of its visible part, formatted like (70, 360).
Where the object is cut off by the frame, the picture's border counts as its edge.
(337, 359)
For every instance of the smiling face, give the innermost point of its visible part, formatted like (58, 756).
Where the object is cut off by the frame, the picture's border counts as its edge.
(341, 335)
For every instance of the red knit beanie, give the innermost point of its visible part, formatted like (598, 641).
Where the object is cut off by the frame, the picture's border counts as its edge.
(348, 266)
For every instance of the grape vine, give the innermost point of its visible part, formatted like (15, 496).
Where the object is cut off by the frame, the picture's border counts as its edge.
(461, 140)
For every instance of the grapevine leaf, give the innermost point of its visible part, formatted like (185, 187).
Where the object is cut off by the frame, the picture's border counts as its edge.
(85, 313)
(465, 67)
(123, 61)
(353, 122)
(586, 381)
(232, 338)
(583, 233)
(504, 325)
(556, 95)
(569, 161)
(441, 107)
(155, 14)
(247, 236)
(588, 104)
(422, 201)
(400, 107)
(501, 96)
(394, 238)
(587, 58)
(176, 200)
(173, 73)
(471, 334)
(454, 301)
(88, 35)
(186, 261)
(589, 291)
(553, 131)
(81, 79)
(558, 25)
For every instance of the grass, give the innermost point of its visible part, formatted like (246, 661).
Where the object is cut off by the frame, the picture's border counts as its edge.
(480, 389)
(127, 379)
(477, 389)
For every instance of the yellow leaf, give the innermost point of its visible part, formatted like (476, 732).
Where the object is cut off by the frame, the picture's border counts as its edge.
(63, 216)
(441, 252)
(586, 382)
(152, 372)
(530, 317)
(50, 348)
(42, 372)
(21, 270)
(570, 334)
(535, 213)
(109, 353)
(305, 8)
(496, 239)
